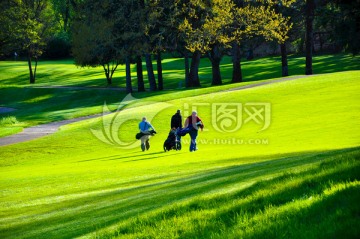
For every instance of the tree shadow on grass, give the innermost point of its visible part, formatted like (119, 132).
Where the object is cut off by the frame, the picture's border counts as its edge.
(113, 157)
(334, 216)
(154, 156)
(143, 156)
(173, 71)
(272, 208)
(43, 104)
(77, 215)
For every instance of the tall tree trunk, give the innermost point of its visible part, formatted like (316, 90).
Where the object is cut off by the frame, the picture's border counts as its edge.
(128, 76)
(284, 61)
(140, 76)
(107, 73)
(216, 74)
(67, 15)
(194, 70)
(150, 72)
(310, 8)
(187, 68)
(354, 42)
(32, 75)
(36, 63)
(215, 58)
(159, 71)
(236, 59)
(142, 3)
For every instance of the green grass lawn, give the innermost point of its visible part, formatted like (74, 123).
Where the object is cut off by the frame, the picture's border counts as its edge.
(42, 105)
(298, 178)
(65, 73)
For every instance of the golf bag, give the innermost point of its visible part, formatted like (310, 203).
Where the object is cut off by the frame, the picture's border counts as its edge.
(172, 141)
(141, 134)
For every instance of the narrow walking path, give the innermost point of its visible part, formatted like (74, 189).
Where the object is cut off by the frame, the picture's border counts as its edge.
(46, 129)
(40, 130)
(267, 83)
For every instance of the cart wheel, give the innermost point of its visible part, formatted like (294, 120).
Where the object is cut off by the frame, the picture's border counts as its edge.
(178, 146)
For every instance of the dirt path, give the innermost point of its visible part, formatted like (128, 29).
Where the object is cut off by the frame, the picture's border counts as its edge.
(40, 130)
(267, 83)
(46, 129)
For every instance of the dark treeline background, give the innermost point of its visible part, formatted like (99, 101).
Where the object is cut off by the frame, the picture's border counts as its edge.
(110, 33)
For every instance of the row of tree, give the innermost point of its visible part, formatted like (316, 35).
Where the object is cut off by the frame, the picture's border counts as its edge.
(110, 32)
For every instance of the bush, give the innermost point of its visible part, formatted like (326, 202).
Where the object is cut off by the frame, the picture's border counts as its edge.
(58, 47)
(8, 121)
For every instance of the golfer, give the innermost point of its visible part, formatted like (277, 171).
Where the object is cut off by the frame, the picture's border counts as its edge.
(145, 127)
(192, 125)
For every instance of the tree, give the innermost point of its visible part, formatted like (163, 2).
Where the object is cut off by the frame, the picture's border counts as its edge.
(295, 15)
(140, 76)
(94, 41)
(339, 20)
(207, 32)
(189, 17)
(154, 25)
(129, 31)
(59, 45)
(217, 27)
(236, 60)
(212, 26)
(107, 33)
(309, 13)
(128, 75)
(205, 24)
(27, 25)
(146, 22)
(159, 70)
(258, 18)
(64, 10)
(150, 71)
(159, 32)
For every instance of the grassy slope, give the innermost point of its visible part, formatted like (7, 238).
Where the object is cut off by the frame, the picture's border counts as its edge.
(70, 184)
(42, 105)
(65, 73)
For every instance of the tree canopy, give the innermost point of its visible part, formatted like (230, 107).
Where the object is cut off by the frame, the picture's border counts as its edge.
(27, 25)
(109, 33)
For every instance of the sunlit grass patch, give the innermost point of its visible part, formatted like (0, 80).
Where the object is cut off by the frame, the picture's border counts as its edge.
(8, 121)
(299, 203)
(9, 125)
(70, 184)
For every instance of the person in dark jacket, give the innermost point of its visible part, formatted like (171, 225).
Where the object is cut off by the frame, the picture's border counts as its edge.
(176, 124)
(176, 120)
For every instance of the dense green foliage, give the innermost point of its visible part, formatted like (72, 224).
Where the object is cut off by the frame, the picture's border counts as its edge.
(109, 33)
(27, 25)
(339, 22)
